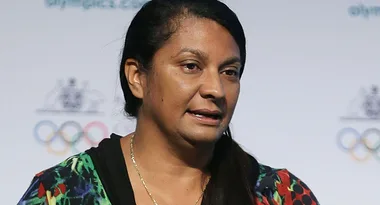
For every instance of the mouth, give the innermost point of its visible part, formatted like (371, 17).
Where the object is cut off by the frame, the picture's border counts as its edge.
(205, 114)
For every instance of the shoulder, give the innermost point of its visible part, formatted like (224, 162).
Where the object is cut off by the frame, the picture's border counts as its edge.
(280, 186)
(74, 180)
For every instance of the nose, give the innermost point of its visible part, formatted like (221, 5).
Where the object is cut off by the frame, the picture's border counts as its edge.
(211, 86)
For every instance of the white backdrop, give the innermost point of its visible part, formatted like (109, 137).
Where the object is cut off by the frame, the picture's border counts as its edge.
(312, 70)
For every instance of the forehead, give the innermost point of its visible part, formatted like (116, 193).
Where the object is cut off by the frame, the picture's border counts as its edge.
(204, 35)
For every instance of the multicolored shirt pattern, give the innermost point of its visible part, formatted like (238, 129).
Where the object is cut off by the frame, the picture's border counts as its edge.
(75, 181)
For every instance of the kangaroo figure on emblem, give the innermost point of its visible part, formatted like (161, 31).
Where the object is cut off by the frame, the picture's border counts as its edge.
(372, 103)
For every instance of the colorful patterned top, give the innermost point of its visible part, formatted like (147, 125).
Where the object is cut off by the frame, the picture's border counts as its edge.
(86, 179)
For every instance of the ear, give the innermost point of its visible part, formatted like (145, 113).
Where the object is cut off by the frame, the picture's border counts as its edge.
(135, 77)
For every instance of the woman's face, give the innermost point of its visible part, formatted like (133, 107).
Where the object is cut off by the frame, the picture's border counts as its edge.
(193, 86)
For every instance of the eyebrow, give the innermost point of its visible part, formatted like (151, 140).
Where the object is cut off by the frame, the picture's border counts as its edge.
(230, 61)
(196, 52)
(204, 56)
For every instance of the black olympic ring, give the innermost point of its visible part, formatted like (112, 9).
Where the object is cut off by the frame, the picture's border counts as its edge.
(59, 132)
(361, 139)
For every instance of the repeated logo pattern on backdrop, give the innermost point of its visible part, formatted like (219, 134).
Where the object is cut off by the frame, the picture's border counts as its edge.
(65, 101)
(95, 4)
(362, 144)
(365, 11)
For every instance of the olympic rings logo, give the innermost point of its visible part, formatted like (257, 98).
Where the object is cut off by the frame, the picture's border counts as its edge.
(352, 141)
(70, 133)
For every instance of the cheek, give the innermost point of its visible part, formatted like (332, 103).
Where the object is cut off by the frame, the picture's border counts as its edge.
(171, 92)
(179, 89)
(154, 93)
(232, 96)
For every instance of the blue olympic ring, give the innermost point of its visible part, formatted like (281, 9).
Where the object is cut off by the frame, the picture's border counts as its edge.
(69, 141)
(360, 140)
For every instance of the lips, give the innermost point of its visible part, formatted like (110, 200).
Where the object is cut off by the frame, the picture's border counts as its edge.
(205, 113)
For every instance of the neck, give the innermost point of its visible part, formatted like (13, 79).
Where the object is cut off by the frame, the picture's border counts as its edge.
(160, 153)
(169, 158)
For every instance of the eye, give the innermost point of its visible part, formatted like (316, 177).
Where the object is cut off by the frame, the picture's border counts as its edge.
(231, 72)
(191, 67)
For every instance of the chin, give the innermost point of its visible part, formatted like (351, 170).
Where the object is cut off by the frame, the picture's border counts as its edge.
(201, 136)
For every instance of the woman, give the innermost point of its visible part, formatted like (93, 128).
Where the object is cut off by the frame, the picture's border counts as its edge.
(180, 73)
